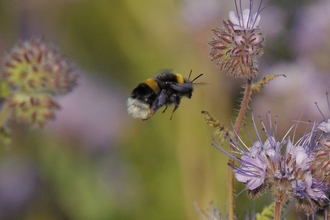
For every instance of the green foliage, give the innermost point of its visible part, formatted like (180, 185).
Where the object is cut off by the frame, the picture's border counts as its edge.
(267, 213)
(221, 132)
(4, 91)
(265, 80)
(80, 190)
(5, 136)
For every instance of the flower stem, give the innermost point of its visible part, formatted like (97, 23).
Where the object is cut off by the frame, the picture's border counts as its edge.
(238, 124)
(277, 211)
(4, 115)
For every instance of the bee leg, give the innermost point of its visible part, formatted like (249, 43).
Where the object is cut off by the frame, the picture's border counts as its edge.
(175, 108)
(152, 114)
(164, 109)
(153, 110)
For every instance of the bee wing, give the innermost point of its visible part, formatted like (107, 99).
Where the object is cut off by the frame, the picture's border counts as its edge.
(184, 87)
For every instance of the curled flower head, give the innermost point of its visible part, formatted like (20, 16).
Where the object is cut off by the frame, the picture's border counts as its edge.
(321, 154)
(321, 149)
(34, 73)
(280, 166)
(236, 46)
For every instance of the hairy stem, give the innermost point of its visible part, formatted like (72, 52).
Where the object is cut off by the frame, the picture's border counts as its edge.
(277, 211)
(238, 124)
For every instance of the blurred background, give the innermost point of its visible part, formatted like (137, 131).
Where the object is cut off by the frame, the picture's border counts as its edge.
(96, 162)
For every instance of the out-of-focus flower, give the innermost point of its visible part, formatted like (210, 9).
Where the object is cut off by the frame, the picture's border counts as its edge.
(37, 66)
(310, 38)
(212, 213)
(32, 108)
(236, 46)
(299, 84)
(19, 184)
(287, 173)
(82, 121)
(34, 72)
(199, 13)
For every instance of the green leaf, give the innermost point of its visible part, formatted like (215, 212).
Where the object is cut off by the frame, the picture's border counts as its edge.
(257, 86)
(267, 213)
(220, 130)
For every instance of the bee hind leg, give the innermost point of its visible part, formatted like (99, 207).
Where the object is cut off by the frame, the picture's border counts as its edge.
(149, 116)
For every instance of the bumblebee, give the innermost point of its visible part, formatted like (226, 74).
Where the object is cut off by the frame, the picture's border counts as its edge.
(164, 89)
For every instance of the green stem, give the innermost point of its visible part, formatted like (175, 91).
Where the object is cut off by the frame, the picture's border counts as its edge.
(4, 115)
(238, 124)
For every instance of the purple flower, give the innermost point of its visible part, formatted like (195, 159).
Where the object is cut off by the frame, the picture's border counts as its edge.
(321, 150)
(253, 168)
(245, 19)
(287, 173)
(324, 126)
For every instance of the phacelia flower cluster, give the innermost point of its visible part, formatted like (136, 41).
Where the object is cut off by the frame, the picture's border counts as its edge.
(281, 166)
(34, 73)
(321, 153)
(237, 44)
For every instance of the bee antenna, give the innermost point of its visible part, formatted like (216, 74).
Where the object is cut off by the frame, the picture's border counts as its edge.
(190, 74)
(197, 77)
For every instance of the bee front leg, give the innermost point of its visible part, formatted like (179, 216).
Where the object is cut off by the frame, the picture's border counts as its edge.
(164, 109)
(175, 108)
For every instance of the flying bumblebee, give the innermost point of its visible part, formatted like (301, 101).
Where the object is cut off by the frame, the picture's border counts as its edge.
(164, 89)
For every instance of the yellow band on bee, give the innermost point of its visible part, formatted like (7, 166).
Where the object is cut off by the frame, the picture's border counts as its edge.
(153, 85)
(180, 78)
